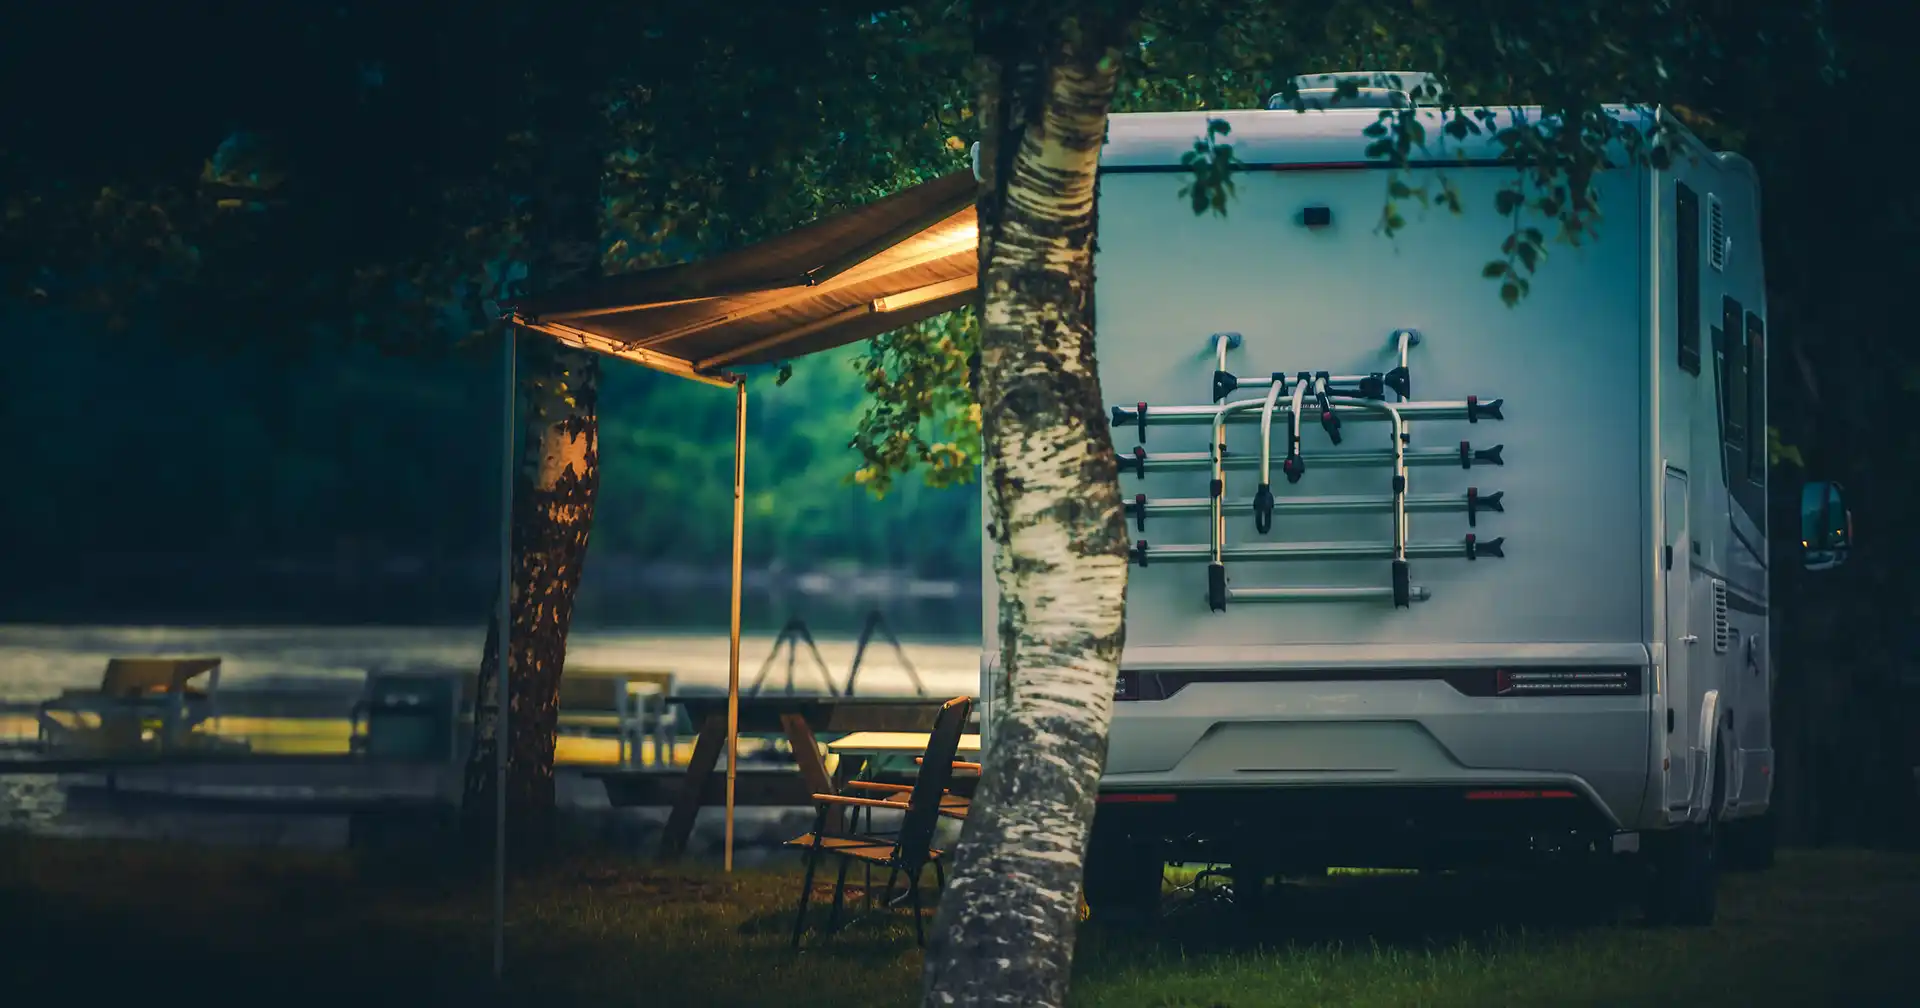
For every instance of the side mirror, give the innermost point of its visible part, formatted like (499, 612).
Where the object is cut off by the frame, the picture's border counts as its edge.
(1826, 526)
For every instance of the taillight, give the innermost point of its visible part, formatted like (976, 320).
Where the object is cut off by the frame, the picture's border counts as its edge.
(1482, 681)
(1551, 681)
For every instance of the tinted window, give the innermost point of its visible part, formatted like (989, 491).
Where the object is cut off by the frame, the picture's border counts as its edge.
(1733, 377)
(1757, 454)
(1686, 263)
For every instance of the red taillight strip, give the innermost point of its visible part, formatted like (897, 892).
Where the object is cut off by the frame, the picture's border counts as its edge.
(1139, 797)
(1508, 795)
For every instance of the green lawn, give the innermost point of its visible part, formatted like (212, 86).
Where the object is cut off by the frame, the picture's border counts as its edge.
(98, 922)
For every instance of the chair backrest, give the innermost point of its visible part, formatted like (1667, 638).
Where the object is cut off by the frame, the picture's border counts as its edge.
(137, 677)
(936, 772)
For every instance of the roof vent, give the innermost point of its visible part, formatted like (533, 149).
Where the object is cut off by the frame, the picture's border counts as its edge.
(1716, 234)
(1377, 89)
(1722, 626)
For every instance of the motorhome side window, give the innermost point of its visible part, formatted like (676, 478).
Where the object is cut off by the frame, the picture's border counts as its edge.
(1730, 346)
(1757, 398)
(1686, 247)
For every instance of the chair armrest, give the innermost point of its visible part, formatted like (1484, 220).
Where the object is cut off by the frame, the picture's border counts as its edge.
(879, 786)
(957, 764)
(828, 799)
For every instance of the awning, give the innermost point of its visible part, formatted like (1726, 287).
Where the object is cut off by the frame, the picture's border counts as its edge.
(869, 270)
(854, 275)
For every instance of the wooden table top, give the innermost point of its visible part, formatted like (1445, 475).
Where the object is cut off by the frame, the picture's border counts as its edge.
(893, 743)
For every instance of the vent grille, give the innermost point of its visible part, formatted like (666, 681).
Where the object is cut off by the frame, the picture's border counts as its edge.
(1722, 629)
(1716, 234)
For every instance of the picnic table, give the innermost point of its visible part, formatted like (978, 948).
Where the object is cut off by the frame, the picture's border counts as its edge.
(801, 718)
(864, 752)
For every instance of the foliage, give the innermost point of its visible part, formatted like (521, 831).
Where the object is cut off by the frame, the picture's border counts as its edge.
(921, 408)
(359, 467)
(1779, 452)
(1212, 165)
(1224, 54)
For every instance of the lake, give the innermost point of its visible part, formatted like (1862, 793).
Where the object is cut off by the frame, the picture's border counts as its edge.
(37, 662)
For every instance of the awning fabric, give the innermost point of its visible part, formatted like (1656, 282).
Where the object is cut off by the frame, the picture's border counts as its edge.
(859, 273)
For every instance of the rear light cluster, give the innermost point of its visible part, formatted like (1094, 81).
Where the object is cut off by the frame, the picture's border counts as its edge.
(1527, 681)
(1565, 681)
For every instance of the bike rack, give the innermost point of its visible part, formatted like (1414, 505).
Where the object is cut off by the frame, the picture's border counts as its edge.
(1472, 409)
(1356, 397)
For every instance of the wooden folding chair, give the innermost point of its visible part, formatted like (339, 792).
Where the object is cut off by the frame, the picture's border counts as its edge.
(908, 851)
(952, 806)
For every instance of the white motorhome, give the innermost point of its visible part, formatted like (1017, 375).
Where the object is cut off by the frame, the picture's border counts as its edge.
(1536, 620)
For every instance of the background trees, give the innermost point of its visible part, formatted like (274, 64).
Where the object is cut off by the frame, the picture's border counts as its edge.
(281, 225)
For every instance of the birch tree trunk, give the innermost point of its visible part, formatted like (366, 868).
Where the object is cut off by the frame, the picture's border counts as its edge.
(1006, 922)
(555, 169)
(552, 517)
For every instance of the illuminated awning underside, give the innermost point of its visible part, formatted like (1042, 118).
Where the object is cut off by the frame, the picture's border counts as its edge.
(854, 275)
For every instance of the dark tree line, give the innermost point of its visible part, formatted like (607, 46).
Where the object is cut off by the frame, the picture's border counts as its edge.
(267, 188)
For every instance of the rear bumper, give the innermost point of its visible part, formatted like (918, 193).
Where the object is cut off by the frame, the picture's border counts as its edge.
(1386, 826)
(1274, 743)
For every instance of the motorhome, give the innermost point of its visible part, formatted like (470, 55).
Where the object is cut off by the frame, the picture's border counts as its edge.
(1421, 579)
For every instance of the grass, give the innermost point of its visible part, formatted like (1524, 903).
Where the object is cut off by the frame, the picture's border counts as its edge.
(113, 920)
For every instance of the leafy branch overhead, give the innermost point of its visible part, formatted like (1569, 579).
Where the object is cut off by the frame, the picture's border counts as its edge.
(1212, 164)
(1567, 60)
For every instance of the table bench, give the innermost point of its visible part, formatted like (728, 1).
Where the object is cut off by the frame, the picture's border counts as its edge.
(800, 718)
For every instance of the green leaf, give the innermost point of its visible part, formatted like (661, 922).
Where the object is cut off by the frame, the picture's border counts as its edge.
(1778, 451)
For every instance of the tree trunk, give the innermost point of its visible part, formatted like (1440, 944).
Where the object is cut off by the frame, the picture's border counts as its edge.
(552, 516)
(1006, 923)
(553, 169)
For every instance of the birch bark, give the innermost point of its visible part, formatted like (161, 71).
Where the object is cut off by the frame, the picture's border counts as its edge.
(551, 521)
(1005, 928)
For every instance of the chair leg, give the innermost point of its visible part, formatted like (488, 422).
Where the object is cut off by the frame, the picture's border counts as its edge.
(939, 877)
(919, 926)
(886, 896)
(839, 891)
(806, 891)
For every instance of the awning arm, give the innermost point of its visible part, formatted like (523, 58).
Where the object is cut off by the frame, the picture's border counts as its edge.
(890, 303)
(614, 348)
(840, 277)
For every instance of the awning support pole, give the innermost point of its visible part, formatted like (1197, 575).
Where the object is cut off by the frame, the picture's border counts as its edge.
(733, 637)
(504, 614)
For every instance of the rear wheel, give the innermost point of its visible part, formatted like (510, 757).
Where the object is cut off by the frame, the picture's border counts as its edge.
(1575, 893)
(1251, 889)
(1685, 881)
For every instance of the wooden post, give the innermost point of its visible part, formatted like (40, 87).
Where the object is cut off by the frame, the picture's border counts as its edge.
(733, 640)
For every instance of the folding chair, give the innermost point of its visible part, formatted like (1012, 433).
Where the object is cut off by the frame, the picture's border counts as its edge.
(910, 850)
